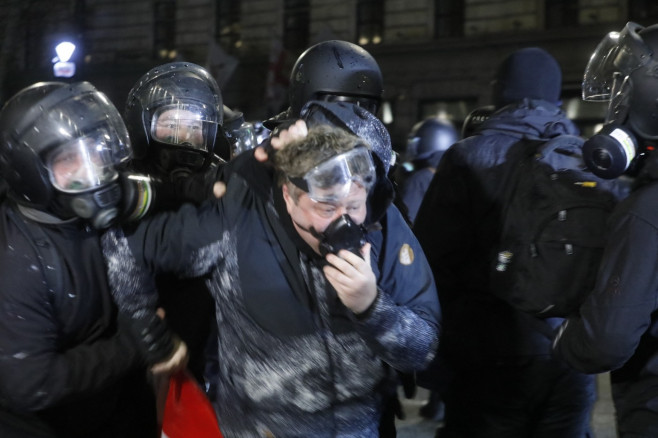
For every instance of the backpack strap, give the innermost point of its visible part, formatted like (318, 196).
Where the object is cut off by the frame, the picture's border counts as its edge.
(567, 145)
(45, 250)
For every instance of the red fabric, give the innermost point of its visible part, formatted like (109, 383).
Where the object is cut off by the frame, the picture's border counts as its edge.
(188, 412)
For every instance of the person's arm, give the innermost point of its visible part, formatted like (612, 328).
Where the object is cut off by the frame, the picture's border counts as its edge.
(618, 312)
(403, 321)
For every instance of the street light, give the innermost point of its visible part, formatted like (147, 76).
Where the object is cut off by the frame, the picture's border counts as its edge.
(62, 67)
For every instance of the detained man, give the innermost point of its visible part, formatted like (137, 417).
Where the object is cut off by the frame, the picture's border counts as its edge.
(316, 312)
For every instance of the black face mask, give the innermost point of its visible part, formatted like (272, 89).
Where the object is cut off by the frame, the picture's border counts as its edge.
(100, 207)
(342, 233)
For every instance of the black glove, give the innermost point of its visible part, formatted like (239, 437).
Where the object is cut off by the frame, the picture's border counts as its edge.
(150, 334)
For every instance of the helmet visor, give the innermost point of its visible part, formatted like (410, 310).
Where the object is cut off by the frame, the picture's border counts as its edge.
(183, 125)
(615, 57)
(332, 180)
(84, 163)
(370, 104)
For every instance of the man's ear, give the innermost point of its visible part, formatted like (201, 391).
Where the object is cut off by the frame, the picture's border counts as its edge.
(287, 197)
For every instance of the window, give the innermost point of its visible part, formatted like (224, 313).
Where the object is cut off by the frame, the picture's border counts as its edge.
(369, 21)
(644, 12)
(228, 29)
(164, 29)
(448, 18)
(561, 13)
(296, 24)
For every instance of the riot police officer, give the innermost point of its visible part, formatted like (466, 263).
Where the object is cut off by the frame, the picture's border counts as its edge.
(615, 328)
(68, 365)
(174, 114)
(427, 141)
(333, 71)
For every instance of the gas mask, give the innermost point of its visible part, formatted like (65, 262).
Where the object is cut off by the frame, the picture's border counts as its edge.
(610, 152)
(621, 71)
(342, 233)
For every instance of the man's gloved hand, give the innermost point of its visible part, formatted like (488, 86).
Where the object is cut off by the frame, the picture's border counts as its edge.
(150, 334)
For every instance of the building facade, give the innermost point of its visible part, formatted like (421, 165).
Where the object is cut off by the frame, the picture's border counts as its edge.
(437, 56)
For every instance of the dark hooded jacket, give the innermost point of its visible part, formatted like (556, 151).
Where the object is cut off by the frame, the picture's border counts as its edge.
(457, 225)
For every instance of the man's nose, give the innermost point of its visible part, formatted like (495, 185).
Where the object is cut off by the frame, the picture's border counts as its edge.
(341, 210)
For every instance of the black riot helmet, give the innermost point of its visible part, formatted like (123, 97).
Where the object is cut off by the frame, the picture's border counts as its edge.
(428, 140)
(336, 71)
(61, 147)
(624, 71)
(173, 114)
(475, 119)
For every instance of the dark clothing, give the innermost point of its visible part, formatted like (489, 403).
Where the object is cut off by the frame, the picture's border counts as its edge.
(188, 305)
(293, 361)
(190, 313)
(65, 370)
(617, 326)
(413, 189)
(519, 400)
(457, 226)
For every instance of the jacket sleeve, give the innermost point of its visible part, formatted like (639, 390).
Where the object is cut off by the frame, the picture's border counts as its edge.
(618, 312)
(179, 242)
(402, 324)
(36, 370)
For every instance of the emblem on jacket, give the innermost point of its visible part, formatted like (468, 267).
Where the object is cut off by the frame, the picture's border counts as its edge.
(406, 254)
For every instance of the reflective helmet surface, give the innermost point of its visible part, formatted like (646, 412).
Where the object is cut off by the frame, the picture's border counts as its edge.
(475, 119)
(336, 70)
(45, 127)
(624, 71)
(430, 136)
(174, 111)
(643, 105)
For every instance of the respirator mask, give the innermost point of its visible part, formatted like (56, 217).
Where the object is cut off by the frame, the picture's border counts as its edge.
(342, 233)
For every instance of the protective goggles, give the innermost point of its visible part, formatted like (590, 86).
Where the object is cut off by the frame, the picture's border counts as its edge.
(182, 125)
(84, 163)
(616, 56)
(332, 180)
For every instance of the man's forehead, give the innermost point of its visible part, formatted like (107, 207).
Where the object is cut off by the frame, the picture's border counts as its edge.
(175, 114)
(356, 192)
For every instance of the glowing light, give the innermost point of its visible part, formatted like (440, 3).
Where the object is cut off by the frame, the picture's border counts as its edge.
(65, 50)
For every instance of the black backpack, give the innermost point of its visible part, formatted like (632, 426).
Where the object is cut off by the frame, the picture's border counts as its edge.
(553, 227)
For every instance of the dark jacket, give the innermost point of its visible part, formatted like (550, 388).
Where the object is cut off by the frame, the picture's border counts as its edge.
(617, 326)
(65, 371)
(457, 225)
(413, 189)
(293, 360)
